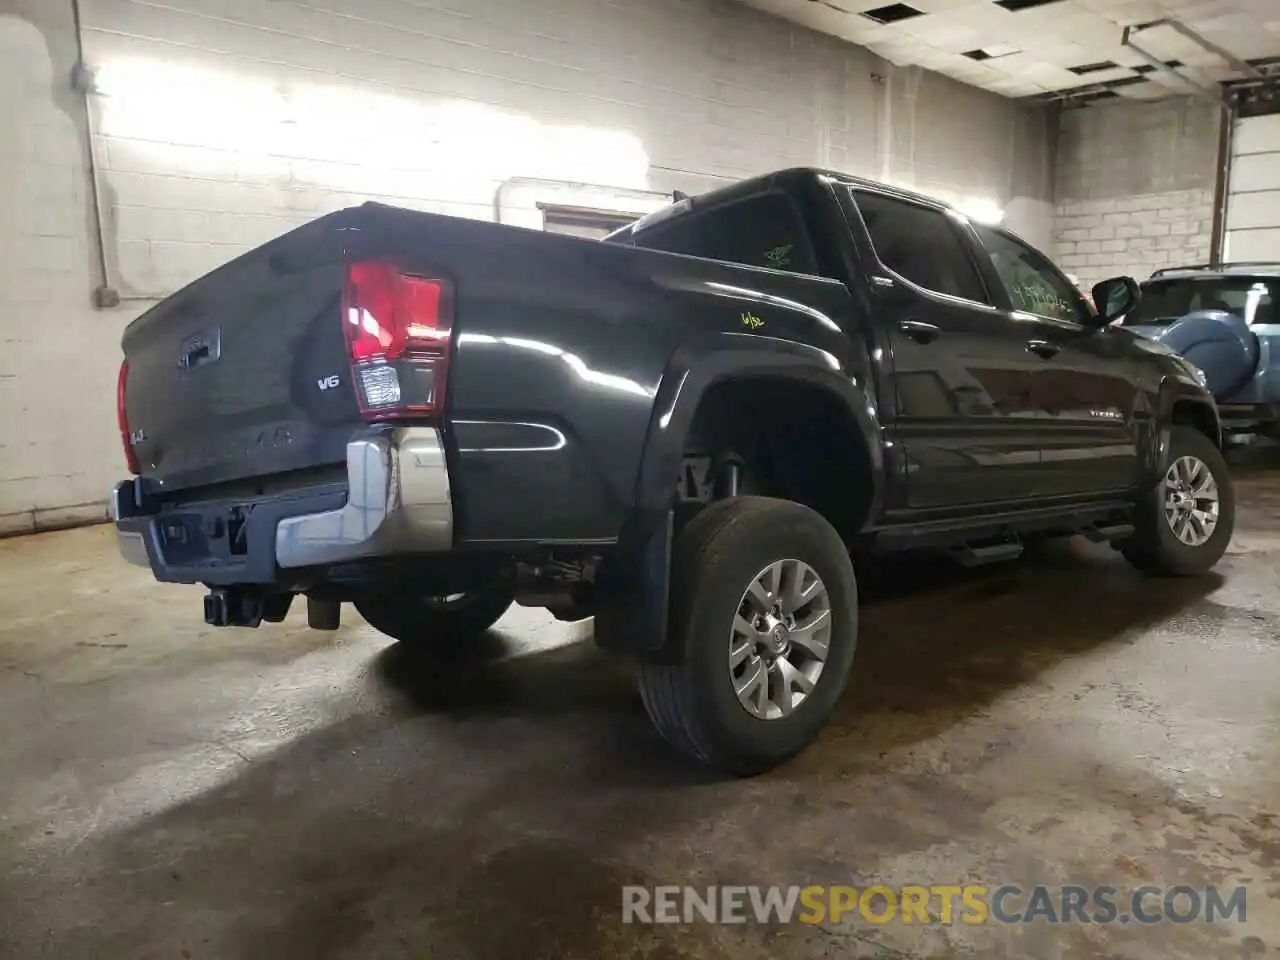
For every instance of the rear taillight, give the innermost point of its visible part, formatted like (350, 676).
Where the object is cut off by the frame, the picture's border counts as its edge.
(122, 418)
(397, 327)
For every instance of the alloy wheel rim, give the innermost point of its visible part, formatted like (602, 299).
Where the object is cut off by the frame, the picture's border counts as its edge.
(1191, 501)
(780, 639)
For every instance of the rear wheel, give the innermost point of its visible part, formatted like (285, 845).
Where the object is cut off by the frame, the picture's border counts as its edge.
(764, 624)
(1183, 526)
(428, 620)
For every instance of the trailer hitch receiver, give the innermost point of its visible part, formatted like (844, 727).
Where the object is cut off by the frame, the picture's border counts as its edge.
(232, 607)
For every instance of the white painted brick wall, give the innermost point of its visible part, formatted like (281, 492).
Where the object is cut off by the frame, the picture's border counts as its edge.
(222, 123)
(59, 449)
(1134, 187)
(1135, 235)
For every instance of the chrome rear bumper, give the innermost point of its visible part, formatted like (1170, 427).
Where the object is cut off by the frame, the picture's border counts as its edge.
(133, 547)
(398, 500)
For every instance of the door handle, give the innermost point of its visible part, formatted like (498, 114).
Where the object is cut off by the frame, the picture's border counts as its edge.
(1043, 348)
(919, 331)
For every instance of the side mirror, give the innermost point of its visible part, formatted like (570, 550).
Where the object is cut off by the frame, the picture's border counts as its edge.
(1115, 297)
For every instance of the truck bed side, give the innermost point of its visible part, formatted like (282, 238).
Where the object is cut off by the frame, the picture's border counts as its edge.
(567, 355)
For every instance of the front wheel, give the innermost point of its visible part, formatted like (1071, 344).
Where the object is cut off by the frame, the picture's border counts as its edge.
(1183, 526)
(764, 622)
(427, 620)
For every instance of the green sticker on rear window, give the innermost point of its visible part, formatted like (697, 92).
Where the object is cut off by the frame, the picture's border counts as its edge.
(779, 257)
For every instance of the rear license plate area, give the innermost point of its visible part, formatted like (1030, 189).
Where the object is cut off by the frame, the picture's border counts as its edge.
(209, 535)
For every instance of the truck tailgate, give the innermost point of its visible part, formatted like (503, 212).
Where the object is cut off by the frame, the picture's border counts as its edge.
(244, 373)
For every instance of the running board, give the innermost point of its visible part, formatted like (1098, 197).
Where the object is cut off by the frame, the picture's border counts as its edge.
(1003, 526)
(989, 553)
(1108, 532)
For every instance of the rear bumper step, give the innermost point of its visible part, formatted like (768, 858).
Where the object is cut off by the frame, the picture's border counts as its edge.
(397, 499)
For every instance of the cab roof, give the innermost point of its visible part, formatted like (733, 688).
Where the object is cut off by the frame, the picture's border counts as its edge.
(792, 174)
(778, 179)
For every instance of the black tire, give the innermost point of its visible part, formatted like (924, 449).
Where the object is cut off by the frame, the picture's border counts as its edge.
(1154, 548)
(688, 693)
(430, 620)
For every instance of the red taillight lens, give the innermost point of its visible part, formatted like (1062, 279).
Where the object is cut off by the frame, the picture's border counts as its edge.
(122, 418)
(397, 328)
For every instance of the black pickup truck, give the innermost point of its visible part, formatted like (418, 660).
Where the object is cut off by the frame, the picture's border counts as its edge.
(694, 430)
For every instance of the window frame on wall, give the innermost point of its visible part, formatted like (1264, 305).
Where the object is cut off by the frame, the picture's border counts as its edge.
(591, 218)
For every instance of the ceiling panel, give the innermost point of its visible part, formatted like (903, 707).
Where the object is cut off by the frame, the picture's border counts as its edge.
(1033, 50)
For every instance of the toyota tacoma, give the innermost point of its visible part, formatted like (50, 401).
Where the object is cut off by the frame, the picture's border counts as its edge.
(694, 431)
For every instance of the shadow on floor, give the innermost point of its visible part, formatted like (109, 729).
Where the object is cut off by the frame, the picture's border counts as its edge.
(938, 644)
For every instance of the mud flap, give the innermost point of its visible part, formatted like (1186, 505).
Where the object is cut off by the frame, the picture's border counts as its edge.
(631, 595)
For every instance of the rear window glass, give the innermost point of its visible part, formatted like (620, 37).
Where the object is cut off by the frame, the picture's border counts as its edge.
(760, 231)
(1164, 301)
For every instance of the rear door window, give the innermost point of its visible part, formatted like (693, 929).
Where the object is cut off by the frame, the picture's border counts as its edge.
(760, 231)
(920, 244)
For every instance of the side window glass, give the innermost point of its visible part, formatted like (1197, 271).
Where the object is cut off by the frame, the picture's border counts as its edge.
(1033, 284)
(920, 244)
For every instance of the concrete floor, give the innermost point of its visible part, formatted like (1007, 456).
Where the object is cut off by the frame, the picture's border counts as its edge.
(168, 790)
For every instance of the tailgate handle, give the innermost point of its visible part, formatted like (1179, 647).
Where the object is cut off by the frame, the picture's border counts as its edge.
(194, 356)
(202, 348)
